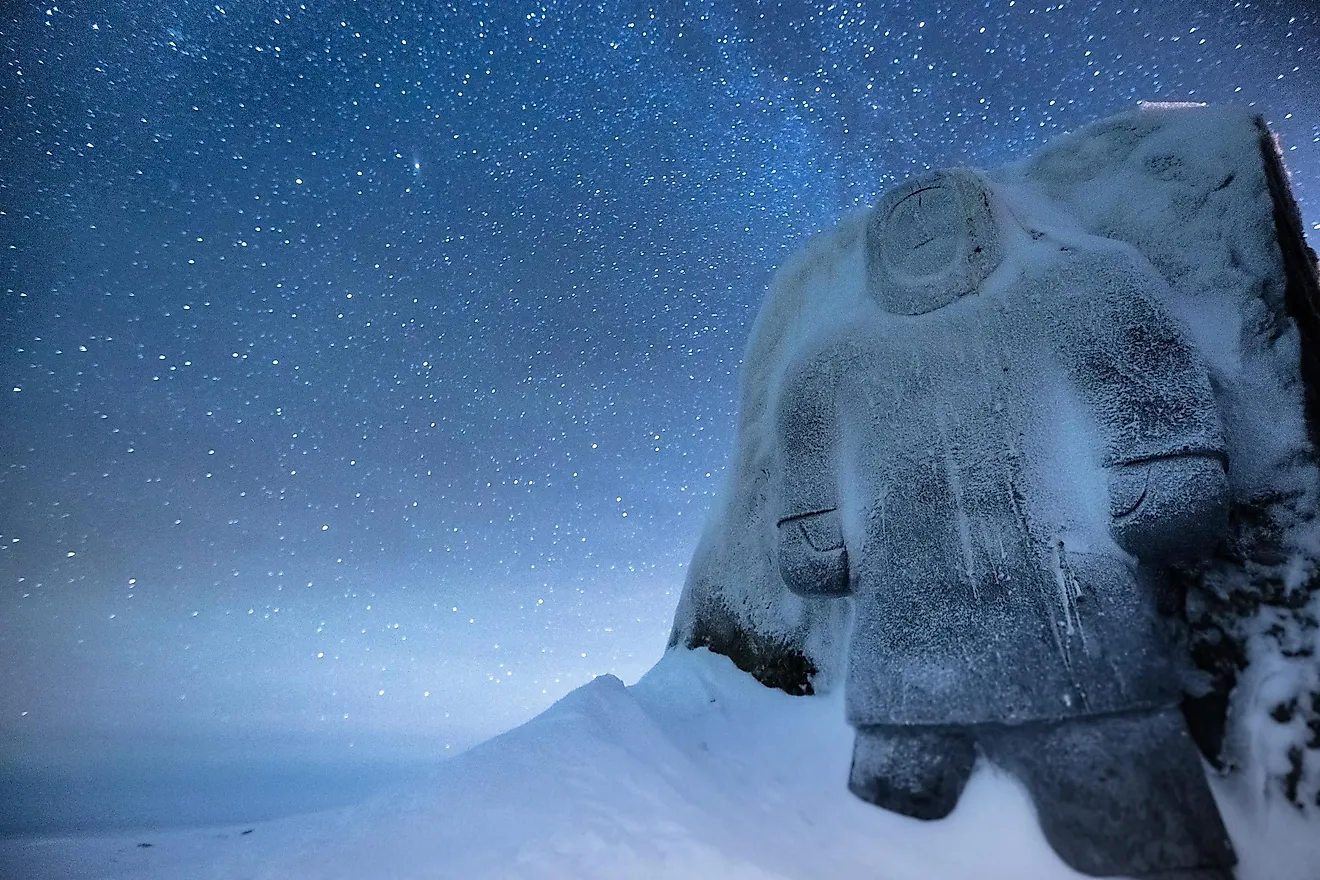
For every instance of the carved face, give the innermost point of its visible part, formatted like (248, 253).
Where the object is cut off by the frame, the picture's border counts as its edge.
(923, 236)
(930, 241)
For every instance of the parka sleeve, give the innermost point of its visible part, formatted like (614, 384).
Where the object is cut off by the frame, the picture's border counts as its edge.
(1151, 396)
(813, 560)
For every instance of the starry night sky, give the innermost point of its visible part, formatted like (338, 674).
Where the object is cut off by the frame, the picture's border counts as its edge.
(370, 369)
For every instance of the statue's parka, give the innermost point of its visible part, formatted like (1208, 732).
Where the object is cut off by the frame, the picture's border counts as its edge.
(994, 462)
(946, 462)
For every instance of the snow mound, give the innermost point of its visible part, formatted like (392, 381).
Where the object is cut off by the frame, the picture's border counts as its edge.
(697, 771)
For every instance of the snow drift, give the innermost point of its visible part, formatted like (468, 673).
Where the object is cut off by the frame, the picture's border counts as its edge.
(697, 771)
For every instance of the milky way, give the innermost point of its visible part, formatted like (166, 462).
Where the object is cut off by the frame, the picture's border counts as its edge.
(369, 370)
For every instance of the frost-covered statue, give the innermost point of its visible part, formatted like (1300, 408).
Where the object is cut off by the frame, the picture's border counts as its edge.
(995, 462)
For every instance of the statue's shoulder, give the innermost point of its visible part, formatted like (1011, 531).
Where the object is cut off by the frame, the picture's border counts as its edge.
(1090, 279)
(845, 346)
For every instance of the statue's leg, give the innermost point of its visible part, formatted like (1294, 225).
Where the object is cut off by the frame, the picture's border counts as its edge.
(916, 771)
(1120, 795)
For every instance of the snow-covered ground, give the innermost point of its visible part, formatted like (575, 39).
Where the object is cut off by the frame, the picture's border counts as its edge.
(696, 771)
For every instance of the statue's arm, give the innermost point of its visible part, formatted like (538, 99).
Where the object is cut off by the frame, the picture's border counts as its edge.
(813, 560)
(1165, 453)
(1172, 509)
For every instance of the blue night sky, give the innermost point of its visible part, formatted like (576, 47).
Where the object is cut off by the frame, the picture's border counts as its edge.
(369, 370)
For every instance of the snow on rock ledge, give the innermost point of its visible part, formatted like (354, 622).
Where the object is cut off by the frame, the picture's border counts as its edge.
(1202, 194)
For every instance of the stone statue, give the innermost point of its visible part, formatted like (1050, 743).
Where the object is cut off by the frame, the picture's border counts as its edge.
(995, 462)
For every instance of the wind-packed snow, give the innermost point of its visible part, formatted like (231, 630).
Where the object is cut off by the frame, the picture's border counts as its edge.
(697, 771)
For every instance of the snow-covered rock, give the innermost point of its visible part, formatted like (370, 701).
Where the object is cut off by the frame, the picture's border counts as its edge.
(1201, 195)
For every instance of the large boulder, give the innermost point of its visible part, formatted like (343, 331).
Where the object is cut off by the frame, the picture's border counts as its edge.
(1202, 194)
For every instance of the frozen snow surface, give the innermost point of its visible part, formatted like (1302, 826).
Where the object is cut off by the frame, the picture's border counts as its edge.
(697, 771)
